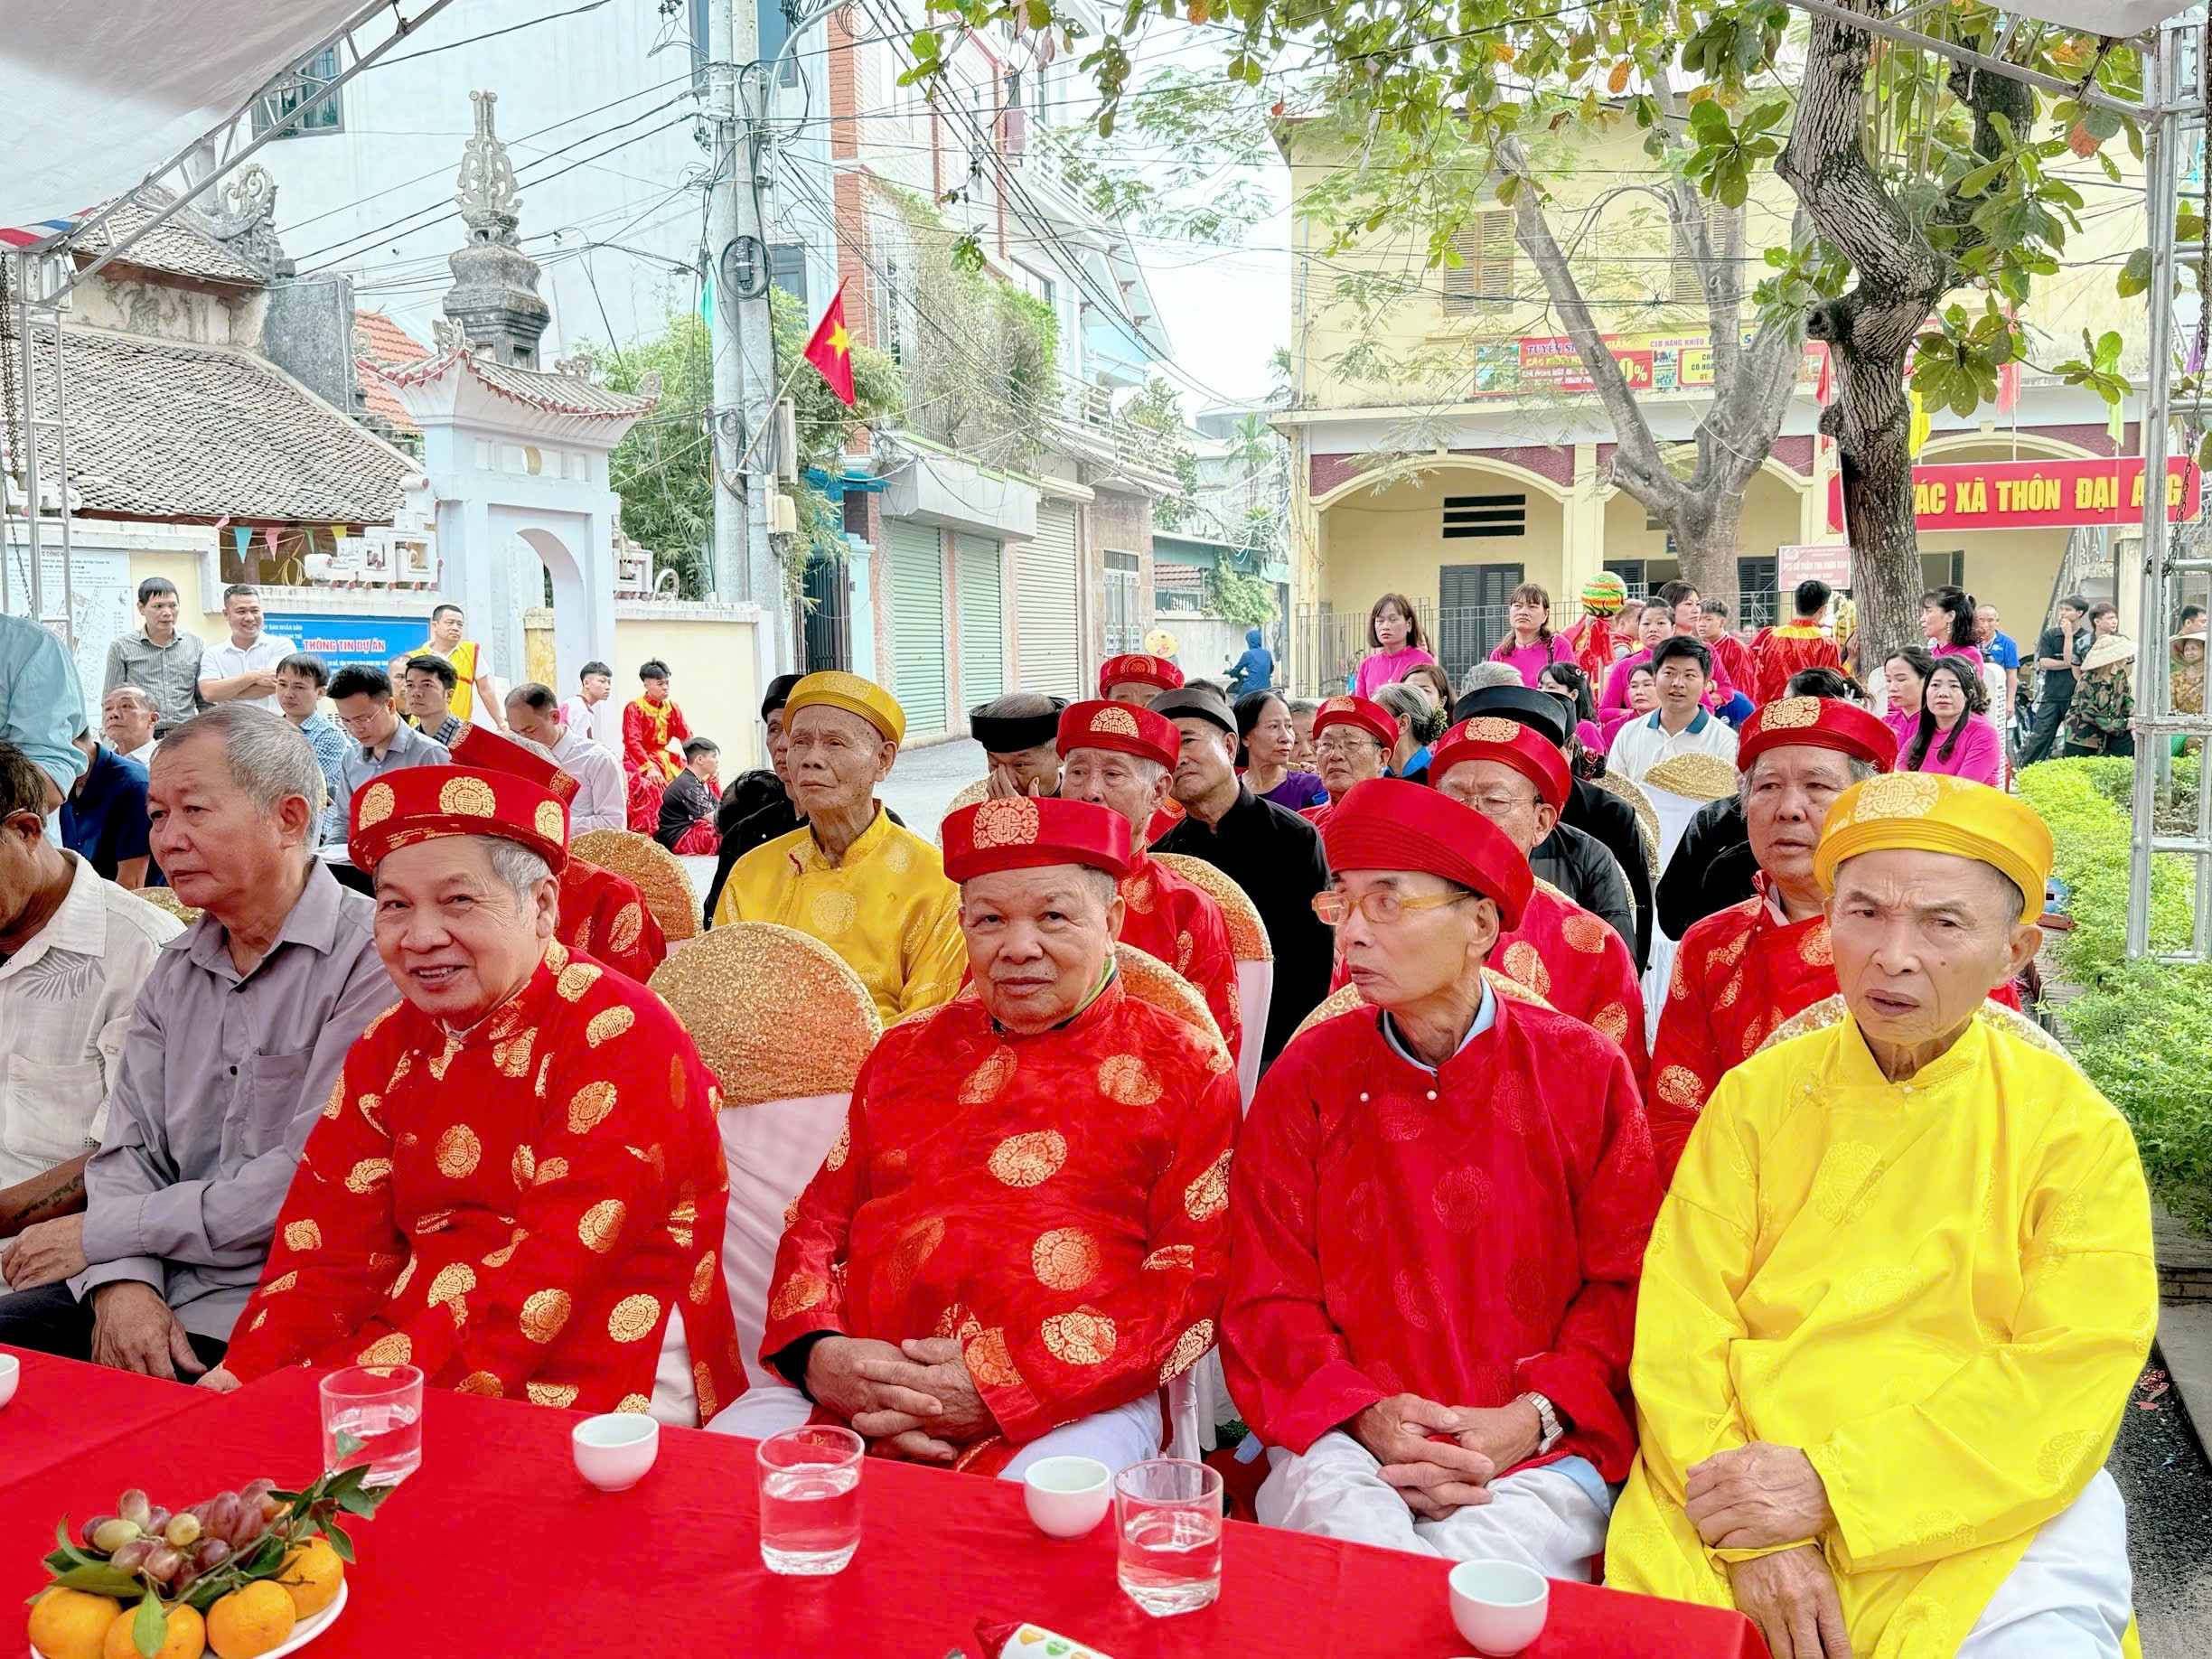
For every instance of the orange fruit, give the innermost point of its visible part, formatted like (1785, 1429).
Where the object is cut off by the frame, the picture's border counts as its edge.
(251, 1620)
(311, 1574)
(67, 1624)
(187, 1637)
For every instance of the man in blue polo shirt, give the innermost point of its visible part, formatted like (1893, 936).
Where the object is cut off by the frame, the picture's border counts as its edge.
(104, 816)
(2003, 650)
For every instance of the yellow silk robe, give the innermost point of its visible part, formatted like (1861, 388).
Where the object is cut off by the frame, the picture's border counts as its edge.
(886, 909)
(1941, 1290)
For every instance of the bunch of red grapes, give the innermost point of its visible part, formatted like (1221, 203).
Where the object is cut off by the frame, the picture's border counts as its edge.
(173, 1548)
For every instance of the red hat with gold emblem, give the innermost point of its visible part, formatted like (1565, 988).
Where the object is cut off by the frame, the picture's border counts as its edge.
(1390, 824)
(487, 751)
(1510, 744)
(1817, 723)
(1028, 832)
(1158, 672)
(1365, 713)
(1120, 725)
(422, 803)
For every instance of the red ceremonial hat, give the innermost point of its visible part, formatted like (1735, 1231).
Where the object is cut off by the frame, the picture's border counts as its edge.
(487, 751)
(1365, 713)
(1141, 670)
(421, 803)
(1390, 824)
(1817, 723)
(1029, 831)
(1508, 742)
(1120, 725)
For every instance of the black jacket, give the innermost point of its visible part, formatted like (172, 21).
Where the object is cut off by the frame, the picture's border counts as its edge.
(1579, 865)
(1712, 868)
(1612, 821)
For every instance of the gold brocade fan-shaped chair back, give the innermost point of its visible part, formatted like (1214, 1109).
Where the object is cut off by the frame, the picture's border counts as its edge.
(163, 898)
(976, 792)
(1344, 1001)
(2012, 1022)
(659, 877)
(1255, 958)
(1695, 777)
(1150, 979)
(1647, 820)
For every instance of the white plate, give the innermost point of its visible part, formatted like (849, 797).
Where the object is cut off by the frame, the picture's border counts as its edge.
(303, 1632)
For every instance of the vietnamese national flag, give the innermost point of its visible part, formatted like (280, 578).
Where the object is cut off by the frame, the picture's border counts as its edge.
(830, 348)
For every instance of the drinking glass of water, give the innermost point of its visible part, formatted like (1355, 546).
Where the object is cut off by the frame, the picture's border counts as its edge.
(1167, 1524)
(810, 1499)
(382, 1407)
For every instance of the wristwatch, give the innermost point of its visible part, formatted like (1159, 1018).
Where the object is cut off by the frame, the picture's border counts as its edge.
(1547, 1416)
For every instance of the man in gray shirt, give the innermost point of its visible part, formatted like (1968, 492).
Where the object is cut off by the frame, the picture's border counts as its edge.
(235, 1044)
(159, 660)
(381, 741)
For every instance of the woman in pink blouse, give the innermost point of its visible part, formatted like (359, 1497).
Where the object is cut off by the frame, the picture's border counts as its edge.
(1395, 632)
(1905, 678)
(1954, 735)
(1530, 647)
(1948, 622)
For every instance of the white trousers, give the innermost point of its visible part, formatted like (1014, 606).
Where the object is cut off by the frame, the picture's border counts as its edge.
(1538, 1517)
(2072, 1594)
(1126, 1435)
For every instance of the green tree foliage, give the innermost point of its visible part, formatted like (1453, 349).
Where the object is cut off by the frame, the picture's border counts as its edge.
(1158, 408)
(1242, 598)
(824, 426)
(660, 468)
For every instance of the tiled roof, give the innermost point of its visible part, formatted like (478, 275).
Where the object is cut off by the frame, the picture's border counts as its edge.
(182, 246)
(554, 394)
(161, 429)
(380, 339)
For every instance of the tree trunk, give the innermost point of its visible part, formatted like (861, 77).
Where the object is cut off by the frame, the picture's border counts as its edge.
(1707, 532)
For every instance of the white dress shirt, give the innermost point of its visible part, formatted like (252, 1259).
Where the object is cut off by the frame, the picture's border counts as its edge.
(228, 662)
(600, 722)
(1640, 745)
(603, 792)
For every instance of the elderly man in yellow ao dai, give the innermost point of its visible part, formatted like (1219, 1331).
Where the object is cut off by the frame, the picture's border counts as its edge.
(1901, 1286)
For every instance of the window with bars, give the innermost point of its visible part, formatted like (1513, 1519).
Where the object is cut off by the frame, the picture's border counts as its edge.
(1685, 284)
(1483, 278)
(276, 108)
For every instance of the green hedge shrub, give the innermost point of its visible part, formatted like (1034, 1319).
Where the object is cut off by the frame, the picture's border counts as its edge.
(2142, 1030)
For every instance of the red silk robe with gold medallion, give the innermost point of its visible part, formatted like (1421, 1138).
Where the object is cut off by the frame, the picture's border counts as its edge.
(1058, 1203)
(516, 1210)
(604, 915)
(1464, 1235)
(1738, 973)
(648, 729)
(1170, 916)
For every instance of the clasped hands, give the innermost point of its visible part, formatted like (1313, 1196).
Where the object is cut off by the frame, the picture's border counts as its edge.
(1442, 1458)
(1756, 1497)
(45, 1253)
(913, 1399)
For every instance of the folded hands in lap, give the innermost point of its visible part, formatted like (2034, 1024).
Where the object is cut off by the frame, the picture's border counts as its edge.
(914, 1399)
(1440, 1459)
(1756, 1497)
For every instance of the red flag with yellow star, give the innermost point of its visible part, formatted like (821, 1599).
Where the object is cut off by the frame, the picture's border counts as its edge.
(830, 348)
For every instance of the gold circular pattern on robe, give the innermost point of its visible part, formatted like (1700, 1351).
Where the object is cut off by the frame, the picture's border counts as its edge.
(1029, 1159)
(991, 1364)
(558, 1395)
(957, 1323)
(1208, 1196)
(513, 1057)
(1150, 979)
(1847, 1169)
(1065, 1259)
(633, 1317)
(987, 1080)
(1248, 934)
(1731, 991)
(911, 1254)
(500, 1257)
(577, 978)
(371, 1108)
(1461, 1199)
(392, 1348)
(1524, 1291)
(303, 1234)
(602, 1225)
(702, 1278)
(1084, 1337)
(799, 1292)
(1585, 933)
(468, 798)
(588, 1107)
(624, 931)
(483, 1381)
(1679, 1086)
(1190, 1348)
(1126, 1081)
(551, 824)
(897, 854)
(1754, 1035)
(280, 1284)
(1172, 1256)
(407, 1276)
(1399, 1118)
(336, 1103)
(376, 806)
(458, 1150)
(365, 1175)
(1140, 893)
(1523, 962)
(544, 1313)
(454, 1280)
(550, 1170)
(1612, 1020)
(775, 1013)
(637, 1405)
(702, 1385)
(1417, 1299)
(608, 1024)
(831, 913)
(842, 1149)
(524, 1167)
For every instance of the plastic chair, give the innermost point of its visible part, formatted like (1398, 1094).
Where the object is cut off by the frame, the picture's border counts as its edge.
(784, 1026)
(1255, 959)
(659, 877)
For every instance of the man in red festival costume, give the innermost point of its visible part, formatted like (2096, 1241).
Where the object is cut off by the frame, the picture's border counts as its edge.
(517, 1185)
(1779, 652)
(1021, 1237)
(1121, 757)
(1440, 1205)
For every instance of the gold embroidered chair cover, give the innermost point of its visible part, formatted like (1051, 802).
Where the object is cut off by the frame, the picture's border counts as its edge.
(1825, 1014)
(978, 790)
(1647, 820)
(776, 1015)
(161, 898)
(659, 877)
(1344, 1001)
(1696, 777)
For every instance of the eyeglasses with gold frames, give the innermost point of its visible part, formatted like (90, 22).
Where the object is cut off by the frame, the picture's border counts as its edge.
(1380, 905)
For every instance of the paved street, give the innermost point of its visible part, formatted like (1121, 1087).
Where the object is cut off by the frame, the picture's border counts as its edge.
(926, 779)
(2163, 1475)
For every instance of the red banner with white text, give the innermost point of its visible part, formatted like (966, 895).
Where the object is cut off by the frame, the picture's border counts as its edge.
(1982, 495)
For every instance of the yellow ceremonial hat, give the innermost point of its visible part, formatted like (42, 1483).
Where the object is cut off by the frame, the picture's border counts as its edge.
(853, 694)
(1934, 813)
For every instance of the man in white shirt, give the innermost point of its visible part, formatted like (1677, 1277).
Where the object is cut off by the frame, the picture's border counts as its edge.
(602, 800)
(74, 950)
(1682, 668)
(128, 719)
(243, 668)
(593, 713)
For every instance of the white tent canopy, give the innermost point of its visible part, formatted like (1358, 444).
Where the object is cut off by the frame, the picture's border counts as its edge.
(99, 93)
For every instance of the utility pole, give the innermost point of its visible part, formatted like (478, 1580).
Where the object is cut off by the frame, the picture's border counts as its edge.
(744, 566)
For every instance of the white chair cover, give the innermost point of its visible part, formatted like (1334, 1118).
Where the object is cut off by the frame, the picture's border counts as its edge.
(1675, 812)
(773, 1149)
(1255, 990)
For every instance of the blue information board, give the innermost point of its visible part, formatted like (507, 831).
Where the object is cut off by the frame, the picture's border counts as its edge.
(339, 640)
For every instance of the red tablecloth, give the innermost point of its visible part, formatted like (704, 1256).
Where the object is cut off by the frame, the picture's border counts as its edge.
(63, 1408)
(496, 1546)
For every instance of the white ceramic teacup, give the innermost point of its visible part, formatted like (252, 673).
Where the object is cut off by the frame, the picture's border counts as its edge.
(11, 1374)
(612, 1452)
(1499, 1606)
(1067, 1496)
